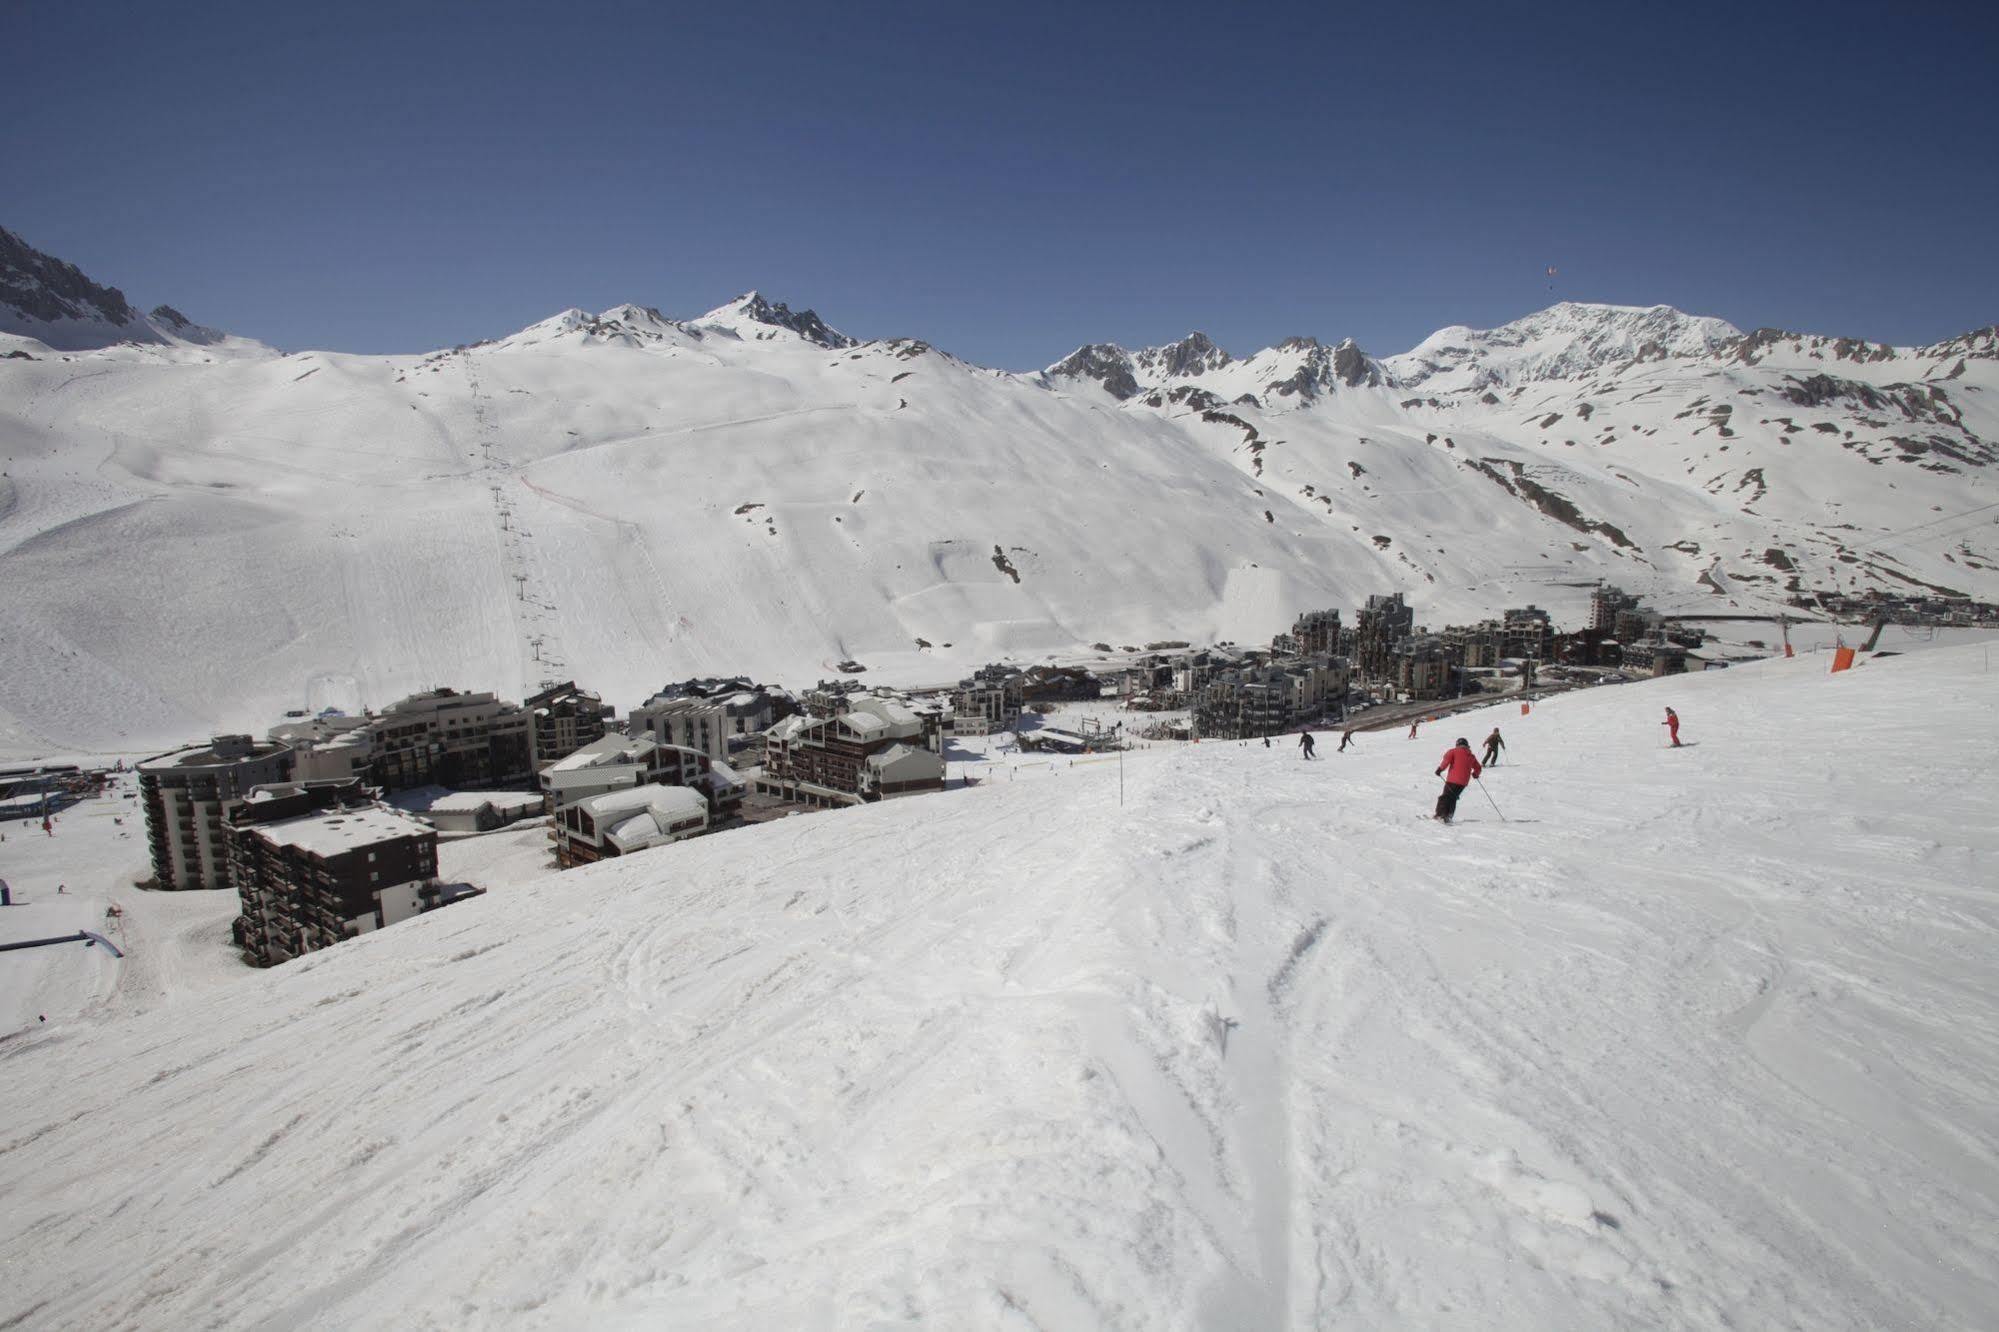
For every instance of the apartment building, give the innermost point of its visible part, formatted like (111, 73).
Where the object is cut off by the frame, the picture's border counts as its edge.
(565, 719)
(685, 721)
(872, 751)
(187, 797)
(989, 701)
(1379, 626)
(440, 737)
(317, 863)
(1258, 700)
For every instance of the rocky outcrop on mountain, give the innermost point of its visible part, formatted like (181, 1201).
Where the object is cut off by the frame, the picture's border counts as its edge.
(805, 323)
(1321, 369)
(44, 298)
(1981, 344)
(1916, 402)
(1106, 363)
(1754, 348)
(41, 287)
(1191, 356)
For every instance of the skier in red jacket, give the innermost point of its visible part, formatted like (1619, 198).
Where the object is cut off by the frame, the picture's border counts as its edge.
(1672, 725)
(1458, 768)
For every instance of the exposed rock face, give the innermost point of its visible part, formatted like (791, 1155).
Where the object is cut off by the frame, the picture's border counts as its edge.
(1191, 355)
(1980, 344)
(805, 323)
(1322, 370)
(1754, 347)
(40, 286)
(1352, 366)
(1106, 363)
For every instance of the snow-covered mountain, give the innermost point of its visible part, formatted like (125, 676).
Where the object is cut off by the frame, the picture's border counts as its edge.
(53, 303)
(1703, 1038)
(190, 539)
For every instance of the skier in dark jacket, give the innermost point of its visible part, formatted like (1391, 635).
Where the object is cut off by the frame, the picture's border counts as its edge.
(1493, 744)
(1346, 738)
(1459, 768)
(1305, 742)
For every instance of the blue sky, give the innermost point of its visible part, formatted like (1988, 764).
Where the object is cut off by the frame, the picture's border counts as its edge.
(1012, 180)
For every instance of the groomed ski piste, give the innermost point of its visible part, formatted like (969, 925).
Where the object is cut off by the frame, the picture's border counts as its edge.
(1695, 1038)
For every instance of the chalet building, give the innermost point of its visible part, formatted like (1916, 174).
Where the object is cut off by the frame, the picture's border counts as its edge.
(872, 751)
(437, 738)
(617, 823)
(625, 762)
(188, 795)
(989, 701)
(316, 863)
(565, 719)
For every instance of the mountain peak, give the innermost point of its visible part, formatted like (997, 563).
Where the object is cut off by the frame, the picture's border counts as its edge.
(753, 308)
(1567, 339)
(45, 298)
(1195, 354)
(40, 293)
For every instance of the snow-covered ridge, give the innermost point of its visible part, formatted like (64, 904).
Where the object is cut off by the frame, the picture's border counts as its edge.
(1254, 1045)
(1298, 369)
(624, 497)
(1564, 341)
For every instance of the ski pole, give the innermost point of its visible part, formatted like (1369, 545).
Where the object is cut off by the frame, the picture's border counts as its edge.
(1494, 803)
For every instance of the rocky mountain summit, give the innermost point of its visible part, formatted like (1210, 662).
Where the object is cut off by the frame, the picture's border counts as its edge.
(53, 302)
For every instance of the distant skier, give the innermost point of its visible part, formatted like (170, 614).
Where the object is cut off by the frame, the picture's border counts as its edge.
(1672, 725)
(1346, 738)
(1266, 742)
(1305, 742)
(1493, 744)
(1459, 768)
(1412, 729)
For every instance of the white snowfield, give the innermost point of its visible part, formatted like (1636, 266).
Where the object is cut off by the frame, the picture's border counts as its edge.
(194, 539)
(1698, 1038)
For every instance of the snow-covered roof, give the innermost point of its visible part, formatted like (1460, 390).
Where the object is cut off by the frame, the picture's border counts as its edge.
(864, 723)
(470, 802)
(336, 833)
(612, 749)
(673, 802)
(894, 753)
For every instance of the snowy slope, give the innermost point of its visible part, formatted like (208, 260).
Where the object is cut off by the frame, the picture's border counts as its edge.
(1700, 1038)
(192, 539)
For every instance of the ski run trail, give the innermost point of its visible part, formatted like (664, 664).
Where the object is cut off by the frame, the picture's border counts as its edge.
(1702, 1038)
